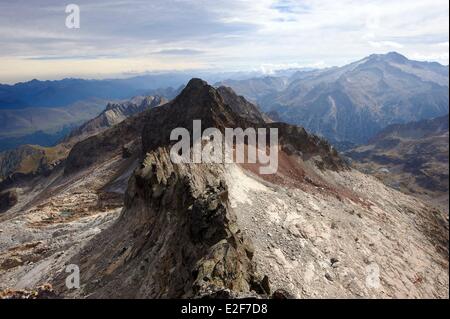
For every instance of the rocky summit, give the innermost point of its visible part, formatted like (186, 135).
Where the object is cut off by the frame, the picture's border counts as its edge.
(137, 225)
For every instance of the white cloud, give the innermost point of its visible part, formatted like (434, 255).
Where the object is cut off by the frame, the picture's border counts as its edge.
(432, 56)
(271, 68)
(443, 44)
(386, 44)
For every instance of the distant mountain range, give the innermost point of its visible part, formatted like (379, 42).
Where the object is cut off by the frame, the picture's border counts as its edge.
(44, 125)
(45, 120)
(43, 112)
(347, 105)
(60, 93)
(32, 159)
(354, 102)
(411, 157)
(65, 92)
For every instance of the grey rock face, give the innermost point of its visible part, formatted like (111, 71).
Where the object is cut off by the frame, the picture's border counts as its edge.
(7, 200)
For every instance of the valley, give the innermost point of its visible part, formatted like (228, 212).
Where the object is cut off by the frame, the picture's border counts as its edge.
(412, 158)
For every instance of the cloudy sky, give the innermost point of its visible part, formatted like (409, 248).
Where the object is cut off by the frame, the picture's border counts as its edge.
(125, 37)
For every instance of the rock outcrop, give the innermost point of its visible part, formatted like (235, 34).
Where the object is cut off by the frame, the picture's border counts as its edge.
(42, 292)
(176, 237)
(30, 159)
(8, 199)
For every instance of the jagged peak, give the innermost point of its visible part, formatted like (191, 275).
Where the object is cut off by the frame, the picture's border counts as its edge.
(390, 57)
(198, 99)
(198, 93)
(241, 106)
(396, 57)
(198, 90)
(196, 83)
(137, 101)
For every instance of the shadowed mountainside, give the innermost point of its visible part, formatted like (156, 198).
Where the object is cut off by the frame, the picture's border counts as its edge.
(411, 157)
(35, 159)
(44, 126)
